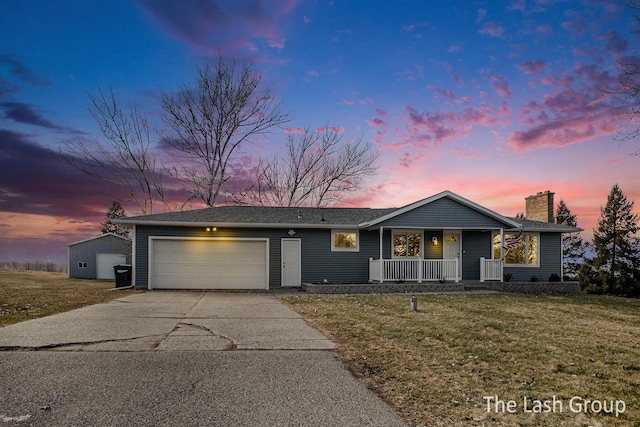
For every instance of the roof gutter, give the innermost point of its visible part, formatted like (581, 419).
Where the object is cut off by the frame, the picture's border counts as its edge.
(235, 224)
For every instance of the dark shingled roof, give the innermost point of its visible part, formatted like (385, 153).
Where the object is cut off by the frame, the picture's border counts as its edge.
(264, 215)
(529, 225)
(269, 216)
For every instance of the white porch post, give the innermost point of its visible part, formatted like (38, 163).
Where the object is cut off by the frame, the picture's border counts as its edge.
(381, 262)
(482, 273)
(501, 252)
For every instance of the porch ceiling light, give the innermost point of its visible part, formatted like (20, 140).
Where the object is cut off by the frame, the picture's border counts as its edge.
(209, 229)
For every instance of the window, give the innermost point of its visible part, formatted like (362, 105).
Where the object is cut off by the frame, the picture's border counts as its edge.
(344, 240)
(524, 253)
(407, 244)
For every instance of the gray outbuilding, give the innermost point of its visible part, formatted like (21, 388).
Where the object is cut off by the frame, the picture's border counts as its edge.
(94, 258)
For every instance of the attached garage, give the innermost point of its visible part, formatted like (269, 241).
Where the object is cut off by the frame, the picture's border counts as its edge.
(208, 263)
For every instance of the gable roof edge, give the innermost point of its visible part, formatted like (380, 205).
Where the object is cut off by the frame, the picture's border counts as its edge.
(99, 237)
(439, 196)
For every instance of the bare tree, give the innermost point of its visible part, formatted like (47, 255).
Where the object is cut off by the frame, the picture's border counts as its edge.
(123, 156)
(318, 169)
(629, 86)
(210, 120)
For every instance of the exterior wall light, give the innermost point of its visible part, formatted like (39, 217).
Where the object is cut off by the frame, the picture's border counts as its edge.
(209, 229)
(434, 240)
(291, 232)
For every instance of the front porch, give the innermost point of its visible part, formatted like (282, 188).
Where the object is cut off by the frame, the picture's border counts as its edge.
(428, 270)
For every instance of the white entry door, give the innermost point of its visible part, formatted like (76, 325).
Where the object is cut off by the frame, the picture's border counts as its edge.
(291, 271)
(453, 248)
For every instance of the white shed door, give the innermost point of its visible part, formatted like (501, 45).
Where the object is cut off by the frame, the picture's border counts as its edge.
(105, 263)
(208, 264)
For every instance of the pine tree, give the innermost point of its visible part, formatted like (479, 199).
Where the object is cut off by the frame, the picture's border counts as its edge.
(614, 270)
(573, 247)
(115, 211)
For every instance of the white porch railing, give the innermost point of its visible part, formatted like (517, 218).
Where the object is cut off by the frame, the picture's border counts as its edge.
(491, 269)
(413, 270)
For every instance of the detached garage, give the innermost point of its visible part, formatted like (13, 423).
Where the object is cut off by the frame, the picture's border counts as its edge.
(94, 258)
(208, 263)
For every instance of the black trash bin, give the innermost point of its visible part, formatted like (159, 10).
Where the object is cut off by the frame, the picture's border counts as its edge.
(123, 275)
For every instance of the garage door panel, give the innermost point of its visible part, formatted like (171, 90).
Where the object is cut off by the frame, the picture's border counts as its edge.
(209, 264)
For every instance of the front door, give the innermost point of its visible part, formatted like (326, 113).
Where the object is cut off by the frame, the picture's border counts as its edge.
(291, 272)
(453, 248)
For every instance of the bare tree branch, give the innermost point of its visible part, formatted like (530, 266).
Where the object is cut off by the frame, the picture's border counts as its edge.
(122, 157)
(319, 168)
(212, 119)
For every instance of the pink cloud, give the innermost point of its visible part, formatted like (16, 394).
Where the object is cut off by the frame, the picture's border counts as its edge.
(335, 129)
(615, 43)
(347, 102)
(376, 122)
(492, 29)
(531, 67)
(427, 128)
(407, 160)
(544, 30)
(500, 84)
(412, 74)
(313, 73)
(575, 23)
(578, 110)
(297, 130)
(212, 25)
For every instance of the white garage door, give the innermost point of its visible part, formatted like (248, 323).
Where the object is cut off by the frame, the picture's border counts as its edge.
(208, 263)
(105, 263)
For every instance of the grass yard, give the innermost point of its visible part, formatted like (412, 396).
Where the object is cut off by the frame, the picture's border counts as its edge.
(28, 295)
(437, 365)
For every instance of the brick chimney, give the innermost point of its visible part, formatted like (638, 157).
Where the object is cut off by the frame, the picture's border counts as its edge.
(540, 207)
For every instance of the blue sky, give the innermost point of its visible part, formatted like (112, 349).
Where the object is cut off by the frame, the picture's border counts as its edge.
(494, 100)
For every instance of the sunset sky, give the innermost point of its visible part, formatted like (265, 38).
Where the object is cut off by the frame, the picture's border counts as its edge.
(493, 100)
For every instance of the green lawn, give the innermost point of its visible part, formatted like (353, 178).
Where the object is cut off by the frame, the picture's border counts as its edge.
(445, 364)
(28, 295)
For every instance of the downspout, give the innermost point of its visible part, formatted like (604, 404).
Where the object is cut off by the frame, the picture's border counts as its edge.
(381, 266)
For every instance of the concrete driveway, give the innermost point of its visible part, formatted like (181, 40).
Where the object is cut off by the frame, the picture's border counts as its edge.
(180, 358)
(171, 321)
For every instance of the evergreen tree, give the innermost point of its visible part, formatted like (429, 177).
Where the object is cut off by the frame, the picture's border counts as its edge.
(573, 247)
(614, 270)
(115, 211)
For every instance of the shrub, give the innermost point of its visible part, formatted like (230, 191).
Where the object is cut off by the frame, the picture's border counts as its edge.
(533, 279)
(554, 277)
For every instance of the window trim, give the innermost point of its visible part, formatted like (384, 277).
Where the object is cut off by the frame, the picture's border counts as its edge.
(333, 241)
(525, 235)
(407, 231)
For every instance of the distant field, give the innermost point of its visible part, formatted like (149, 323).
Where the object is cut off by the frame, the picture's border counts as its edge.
(445, 364)
(28, 295)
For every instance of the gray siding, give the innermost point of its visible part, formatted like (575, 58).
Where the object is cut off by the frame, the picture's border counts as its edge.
(318, 262)
(550, 260)
(443, 213)
(85, 252)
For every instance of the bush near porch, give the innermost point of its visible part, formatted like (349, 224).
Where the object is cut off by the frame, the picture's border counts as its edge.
(436, 365)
